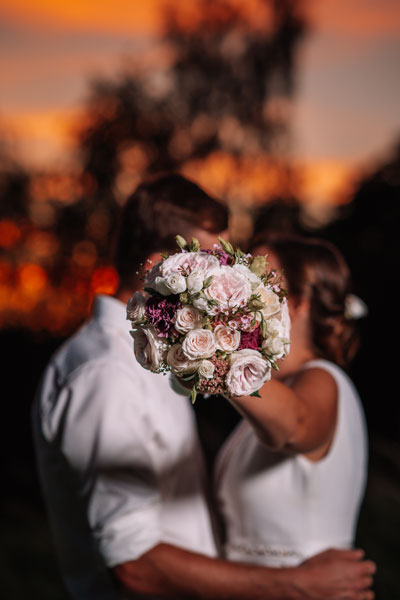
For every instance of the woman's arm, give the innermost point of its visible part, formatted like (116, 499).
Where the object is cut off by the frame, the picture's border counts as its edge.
(300, 418)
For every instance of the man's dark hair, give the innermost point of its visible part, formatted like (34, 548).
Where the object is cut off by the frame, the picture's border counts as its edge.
(155, 213)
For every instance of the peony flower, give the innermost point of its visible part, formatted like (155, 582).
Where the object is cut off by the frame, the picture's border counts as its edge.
(195, 282)
(247, 373)
(199, 343)
(187, 318)
(150, 350)
(136, 308)
(226, 338)
(229, 288)
(206, 369)
(179, 363)
(190, 262)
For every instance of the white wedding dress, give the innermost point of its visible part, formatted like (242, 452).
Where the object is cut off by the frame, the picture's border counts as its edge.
(279, 510)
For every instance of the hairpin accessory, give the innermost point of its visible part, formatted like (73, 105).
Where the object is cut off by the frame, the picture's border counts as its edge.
(355, 308)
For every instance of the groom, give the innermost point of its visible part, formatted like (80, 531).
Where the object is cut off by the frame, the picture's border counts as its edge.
(118, 453)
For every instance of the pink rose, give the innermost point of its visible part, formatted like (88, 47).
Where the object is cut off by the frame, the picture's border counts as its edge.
(227, 338)
(230, 288)
(199, 343)
(179, 363)
(150, 350)
(187, 318)
(247, 373)
(190, 262)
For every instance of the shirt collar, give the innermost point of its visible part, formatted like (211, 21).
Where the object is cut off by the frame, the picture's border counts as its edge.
(110, 310)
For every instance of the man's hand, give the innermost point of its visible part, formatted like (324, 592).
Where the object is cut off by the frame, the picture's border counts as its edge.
(335, 575)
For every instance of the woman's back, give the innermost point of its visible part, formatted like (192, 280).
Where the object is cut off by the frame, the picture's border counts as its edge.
(280, 509)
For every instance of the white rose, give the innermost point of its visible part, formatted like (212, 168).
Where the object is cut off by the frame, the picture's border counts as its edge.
(175, 283)
(272, 306)
(274, 327)
(206, 369)
(187, 318)
(227, 338)
(199, 343)
(274, 346)
(229, 288)
(150, 350)
(201, 304)
(179, 363)
(248, 372)
(161, 287)
(195, 282)
(136, 308)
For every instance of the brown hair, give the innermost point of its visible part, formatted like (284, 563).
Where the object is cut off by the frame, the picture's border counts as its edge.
(315, 269)
(155, 213)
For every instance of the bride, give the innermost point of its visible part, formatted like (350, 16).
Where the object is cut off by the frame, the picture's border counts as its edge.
(291, 477)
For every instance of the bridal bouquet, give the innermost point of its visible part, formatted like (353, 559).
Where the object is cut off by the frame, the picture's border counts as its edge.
(215, 318)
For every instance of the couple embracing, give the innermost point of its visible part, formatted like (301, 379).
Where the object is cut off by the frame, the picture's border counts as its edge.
(120, 462)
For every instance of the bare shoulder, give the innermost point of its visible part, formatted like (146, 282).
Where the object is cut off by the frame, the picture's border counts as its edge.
(317, 392)
(315, 380)
(316, 385)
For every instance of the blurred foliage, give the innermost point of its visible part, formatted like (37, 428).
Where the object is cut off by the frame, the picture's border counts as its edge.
(224, 88)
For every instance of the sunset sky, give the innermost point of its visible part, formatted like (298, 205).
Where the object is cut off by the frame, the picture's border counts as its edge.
(346, 113)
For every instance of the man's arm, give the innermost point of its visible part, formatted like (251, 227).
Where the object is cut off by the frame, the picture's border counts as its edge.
(172, 573)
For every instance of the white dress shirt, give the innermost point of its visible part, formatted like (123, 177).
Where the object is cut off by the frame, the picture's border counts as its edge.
(118, 456)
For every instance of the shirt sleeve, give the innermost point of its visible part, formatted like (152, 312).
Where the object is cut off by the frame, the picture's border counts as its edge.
(107, 441)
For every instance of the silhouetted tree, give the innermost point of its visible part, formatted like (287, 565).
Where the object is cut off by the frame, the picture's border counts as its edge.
(227, 88)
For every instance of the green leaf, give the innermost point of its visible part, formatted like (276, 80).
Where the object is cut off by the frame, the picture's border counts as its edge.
(182, 243)
(207, 282)
(227, 246)
(212, 302)
(184, 297)
(255, 394)
(274, 365)
(254, 320)
(193, 394)
(263, 326)
(195, 245)
(164, 255)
